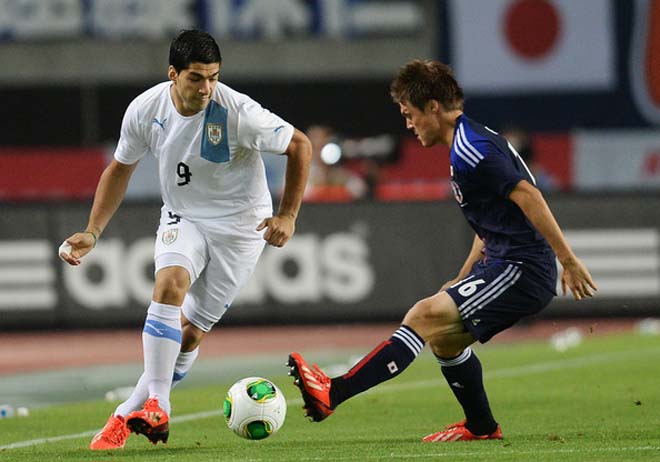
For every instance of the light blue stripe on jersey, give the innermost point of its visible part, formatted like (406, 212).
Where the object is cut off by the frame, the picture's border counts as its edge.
(215, 145)
(162, 330)
(468, 145)
(464, 149)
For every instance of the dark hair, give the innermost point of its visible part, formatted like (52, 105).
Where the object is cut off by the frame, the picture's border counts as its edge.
(193, 46)
(420, 81)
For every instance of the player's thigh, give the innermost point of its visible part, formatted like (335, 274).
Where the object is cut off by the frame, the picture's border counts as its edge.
(434, 317)
(181, 243)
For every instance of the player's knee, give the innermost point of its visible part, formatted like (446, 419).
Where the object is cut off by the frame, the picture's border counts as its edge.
(169, 294)
(170, 288)
(433, 316)
(423, 317)
(427, 311)
(419, 314)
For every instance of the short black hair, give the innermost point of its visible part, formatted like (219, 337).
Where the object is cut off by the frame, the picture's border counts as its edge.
(420, 81)
(193, 46)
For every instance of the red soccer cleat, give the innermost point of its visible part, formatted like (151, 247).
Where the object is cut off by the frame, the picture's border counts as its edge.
(151, 421)
(458, 432)
(314, 386)
(113, 435)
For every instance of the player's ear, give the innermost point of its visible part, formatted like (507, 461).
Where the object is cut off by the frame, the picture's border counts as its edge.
(434, 106)
(172, 74)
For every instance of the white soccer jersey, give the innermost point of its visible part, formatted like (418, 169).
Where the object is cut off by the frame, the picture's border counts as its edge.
(209, 163)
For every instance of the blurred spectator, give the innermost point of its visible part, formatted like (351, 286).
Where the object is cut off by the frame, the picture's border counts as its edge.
(371, 173)
(521, 142)
(329, 181)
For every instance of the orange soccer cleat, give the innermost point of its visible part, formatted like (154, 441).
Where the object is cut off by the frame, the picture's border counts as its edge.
(458, 432)
(314, 386)
(113, 435)
(151, 421)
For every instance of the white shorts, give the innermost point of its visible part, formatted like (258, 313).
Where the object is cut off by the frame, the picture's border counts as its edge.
(220, 256)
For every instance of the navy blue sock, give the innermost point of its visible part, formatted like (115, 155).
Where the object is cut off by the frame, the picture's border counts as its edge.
(386, 361)
(465, 378)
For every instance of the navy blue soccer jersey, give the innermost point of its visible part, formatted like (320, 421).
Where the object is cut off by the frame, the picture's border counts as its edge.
(484, 171)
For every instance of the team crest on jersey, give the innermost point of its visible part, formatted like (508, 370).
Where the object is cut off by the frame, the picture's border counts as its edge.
(214, 133)
(170, 236)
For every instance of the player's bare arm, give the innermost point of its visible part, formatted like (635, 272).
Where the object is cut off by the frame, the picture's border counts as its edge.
(109, 194)
(476, 254)
(575, 275)
(282, 226)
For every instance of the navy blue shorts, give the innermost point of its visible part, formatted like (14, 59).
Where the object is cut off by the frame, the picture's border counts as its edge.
(496, 295)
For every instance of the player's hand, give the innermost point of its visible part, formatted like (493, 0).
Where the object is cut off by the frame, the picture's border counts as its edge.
(81, 244)
(449, 283)
(576, 277)
(279, 230)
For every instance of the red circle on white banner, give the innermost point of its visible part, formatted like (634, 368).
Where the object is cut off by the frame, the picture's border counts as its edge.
(532, 28)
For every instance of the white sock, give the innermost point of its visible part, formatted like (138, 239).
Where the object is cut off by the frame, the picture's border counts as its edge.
(161, 342)
(140, 394)
(137, 398)
(183, 364)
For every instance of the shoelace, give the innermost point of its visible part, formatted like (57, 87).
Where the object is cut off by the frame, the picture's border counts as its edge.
(455, 425)
(320, 375)
(149, 404)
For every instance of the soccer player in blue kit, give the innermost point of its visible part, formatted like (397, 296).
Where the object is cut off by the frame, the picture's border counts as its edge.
(509, 273)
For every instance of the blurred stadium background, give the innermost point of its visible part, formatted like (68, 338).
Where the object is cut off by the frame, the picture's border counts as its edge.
(575, 84)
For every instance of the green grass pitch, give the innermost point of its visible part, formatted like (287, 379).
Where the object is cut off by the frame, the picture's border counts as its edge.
(599, 401)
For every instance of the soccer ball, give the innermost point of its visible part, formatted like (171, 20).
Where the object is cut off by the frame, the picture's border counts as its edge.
(254, 408)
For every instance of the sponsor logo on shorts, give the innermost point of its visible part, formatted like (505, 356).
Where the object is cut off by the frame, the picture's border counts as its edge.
(170, 236)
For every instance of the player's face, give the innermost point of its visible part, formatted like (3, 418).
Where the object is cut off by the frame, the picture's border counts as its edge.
(424, 124)
(193, 87)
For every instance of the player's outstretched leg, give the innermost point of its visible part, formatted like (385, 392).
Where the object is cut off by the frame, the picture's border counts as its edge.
(112, 436)
(151, 421)
(322, 394)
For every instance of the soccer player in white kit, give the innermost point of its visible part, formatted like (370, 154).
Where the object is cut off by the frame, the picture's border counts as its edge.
(215, 221)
